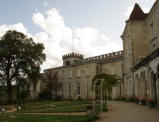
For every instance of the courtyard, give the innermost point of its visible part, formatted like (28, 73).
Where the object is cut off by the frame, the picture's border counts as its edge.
(75, 111)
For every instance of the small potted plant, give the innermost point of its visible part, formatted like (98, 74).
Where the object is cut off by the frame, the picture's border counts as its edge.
(89, 109)
(136, 100)
(152, 103)
(142, 101)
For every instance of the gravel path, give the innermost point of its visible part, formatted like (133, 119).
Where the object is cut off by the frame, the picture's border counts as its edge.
(129, 112)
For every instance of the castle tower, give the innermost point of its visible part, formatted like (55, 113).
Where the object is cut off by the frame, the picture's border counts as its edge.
(135, 44)
(71, 58)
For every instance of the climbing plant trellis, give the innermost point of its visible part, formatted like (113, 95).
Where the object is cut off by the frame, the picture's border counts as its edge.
(100, 81)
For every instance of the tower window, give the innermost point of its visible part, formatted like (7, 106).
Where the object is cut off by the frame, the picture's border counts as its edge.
(67, 62)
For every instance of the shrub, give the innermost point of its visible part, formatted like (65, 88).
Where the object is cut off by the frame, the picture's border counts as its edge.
(130, 99)
(120, 99)
(89, 107)
(152, 103)
(46, 94)
(58, 98)
(79, 98)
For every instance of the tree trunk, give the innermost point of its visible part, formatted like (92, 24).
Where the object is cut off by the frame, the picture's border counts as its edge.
(9, 91)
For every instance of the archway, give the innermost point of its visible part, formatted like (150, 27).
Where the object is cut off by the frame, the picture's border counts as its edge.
(137, 86)
(143, 86)
(153, 89)
(157, 82)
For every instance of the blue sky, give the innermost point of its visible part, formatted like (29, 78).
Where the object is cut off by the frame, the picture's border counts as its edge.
(94, 26)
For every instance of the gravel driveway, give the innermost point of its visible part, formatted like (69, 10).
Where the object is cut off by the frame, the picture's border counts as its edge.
(129, 112)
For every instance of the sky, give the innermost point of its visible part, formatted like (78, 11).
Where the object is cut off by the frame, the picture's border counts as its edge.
(88, 27)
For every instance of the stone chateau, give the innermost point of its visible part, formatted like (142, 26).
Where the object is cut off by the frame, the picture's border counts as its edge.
(137, 64)
(141, 54)
(77, 73)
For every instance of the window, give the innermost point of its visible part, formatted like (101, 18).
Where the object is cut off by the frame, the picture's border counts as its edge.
(113, 70)
(78, 72)
(152, 29)
(63, 73)
(69, 87)
(61, 89)
(78, 89)
(67, 62)
(153, 42)
(153, 45)
(88, 71)
(70, 73)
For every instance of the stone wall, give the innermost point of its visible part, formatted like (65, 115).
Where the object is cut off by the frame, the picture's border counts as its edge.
(152, 22)
(79, 75)
(140, 40)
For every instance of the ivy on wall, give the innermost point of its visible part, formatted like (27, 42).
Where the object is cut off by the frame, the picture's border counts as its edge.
(109, 81)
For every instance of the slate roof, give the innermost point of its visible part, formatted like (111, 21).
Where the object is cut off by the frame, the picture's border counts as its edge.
(137, 13)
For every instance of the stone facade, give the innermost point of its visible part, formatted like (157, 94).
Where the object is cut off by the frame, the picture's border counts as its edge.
(140, 44)
(77, 73)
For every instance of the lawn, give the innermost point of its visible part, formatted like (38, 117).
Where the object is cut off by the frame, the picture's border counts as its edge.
(51, 107)
(52, 104)
(44, 118)
(39, 103)
(65, 109)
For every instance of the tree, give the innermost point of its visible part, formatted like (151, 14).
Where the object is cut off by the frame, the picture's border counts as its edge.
(20, 58)
(53, 82)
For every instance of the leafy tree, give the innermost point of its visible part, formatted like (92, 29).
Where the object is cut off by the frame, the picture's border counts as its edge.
(20, 58)
(53, 82)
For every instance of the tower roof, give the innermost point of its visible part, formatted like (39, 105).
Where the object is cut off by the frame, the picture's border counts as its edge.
(137, 13)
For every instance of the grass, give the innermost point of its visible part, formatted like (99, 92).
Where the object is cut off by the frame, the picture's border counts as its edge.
(51, 107)
(58, 110)
(45, 118)
(39, 103)
(63, 109)
(56, 104)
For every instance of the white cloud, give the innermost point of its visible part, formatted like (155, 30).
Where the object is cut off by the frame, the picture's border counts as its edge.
(19, 27)
(144, 4)
(58, 38)
(45, 4)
